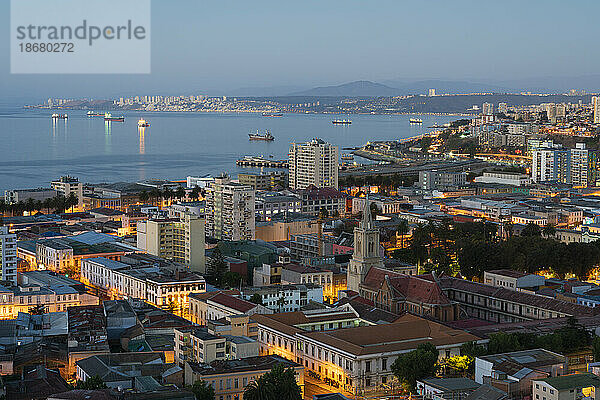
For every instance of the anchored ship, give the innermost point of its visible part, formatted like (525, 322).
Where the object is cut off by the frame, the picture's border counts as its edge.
(415, 121)
(142, 123)
(261, 136)
(276, 114)
(109, 117)
(341, 122)
(60, 116)
(94, 114)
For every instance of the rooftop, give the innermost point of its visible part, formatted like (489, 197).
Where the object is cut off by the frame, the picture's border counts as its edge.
(573, 381)
(260, 363)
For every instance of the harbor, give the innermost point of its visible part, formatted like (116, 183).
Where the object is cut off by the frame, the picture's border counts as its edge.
(261, 162)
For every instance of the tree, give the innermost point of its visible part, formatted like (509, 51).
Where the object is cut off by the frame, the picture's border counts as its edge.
(38, 309)
(531, 229)
(231, 279)
(180, 193)
(402, 230)
(548, 230)
(417, 364)
(462, 365)
(217, 267)
(202, 390)
(256, 299)
(259, 389)
(596, 348)
(92, 383)
(279, 383)
(72, 201)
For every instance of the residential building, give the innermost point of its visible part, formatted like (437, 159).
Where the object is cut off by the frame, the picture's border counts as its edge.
(330, 199)
(308, 246)
(22, 195)
(230, 210)
(385, 205)
(268, 204)
(596, 109)
(579, 165)
(229, 378)
(514, 372)
(446, 388)
(429, 180)
(263, 181)
(317, 275)
(574, 386)
(8, 254)
(513, 280)
(66, 185)
(180, 240)
(282, 226)
(313, 163)
(504, 178)
(286, 297)
(161, 283)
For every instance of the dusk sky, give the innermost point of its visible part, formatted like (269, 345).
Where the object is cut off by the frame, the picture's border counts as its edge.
(214, 47)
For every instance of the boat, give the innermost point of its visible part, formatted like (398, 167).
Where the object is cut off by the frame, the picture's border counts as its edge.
(347, 157)
(341, 122)
(142, 123)
(261, 136)
(60, 116)
(272, 114)
(94, 114)
(109, 117)
(415, 121)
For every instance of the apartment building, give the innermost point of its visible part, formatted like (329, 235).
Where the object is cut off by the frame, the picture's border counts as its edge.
(313, 163)
(286, 297)
(229, 378)
(65, 185)
(163, 284)
(504, 178)
(8, 254)
(574, 386)
(513, 280)
(329, 199)
(230, 209)
(180, 240)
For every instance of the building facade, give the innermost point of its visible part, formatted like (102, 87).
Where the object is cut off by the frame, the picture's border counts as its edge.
(230, 210)
(313, 163)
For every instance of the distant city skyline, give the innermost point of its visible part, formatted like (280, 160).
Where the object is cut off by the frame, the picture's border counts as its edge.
(280, 48)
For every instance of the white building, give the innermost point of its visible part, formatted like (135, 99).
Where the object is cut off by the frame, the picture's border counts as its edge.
(504, 178)
(313, 163)
(8, 254)
(513, 280)
(66, 185)
(230, 209)
(579, 165)
(286, 298)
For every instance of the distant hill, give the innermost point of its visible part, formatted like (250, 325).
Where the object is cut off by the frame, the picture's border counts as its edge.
(446, 87)
(352, 89)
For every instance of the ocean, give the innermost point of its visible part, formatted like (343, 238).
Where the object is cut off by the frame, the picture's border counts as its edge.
(34, 149)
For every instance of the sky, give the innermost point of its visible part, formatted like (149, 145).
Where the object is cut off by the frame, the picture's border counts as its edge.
(213, 47)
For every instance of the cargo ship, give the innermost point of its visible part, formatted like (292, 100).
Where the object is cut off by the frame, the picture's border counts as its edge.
(142, 123)
(415, 121)
(267, 137)
(341, 122)
(60, 116)
(94, 114)
(272, 114)
(108, 117)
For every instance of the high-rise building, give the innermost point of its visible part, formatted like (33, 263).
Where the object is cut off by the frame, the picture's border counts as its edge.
(313, 163)
(579, 165)
(66, 185)
(550, 164)
(230, 210)
(8, 255)
(180, 240)
(488, 109)
(502, 108)
(596, 109)
(366, 250)
(431, 92)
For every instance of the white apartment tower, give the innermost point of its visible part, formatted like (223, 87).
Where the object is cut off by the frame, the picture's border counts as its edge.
(230, 210)
(66, 185)
(313, 163)
(8, 255)
(596, 109)
(488, 109)
(579, 165)
(366, 250)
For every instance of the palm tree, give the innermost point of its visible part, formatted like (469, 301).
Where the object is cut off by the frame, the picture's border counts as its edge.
(168, 194)
(47, 203)
(259, 389)
(39, 205)
(29, 205)
(196, 190)
(72, 201)
(3, 206)
(156, 194)
(402, 230)
(549, 230)
(180, 193)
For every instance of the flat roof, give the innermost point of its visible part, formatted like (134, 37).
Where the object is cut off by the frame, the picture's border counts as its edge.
(573, 381)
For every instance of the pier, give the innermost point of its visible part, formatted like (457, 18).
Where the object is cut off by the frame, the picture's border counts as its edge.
(261, 162)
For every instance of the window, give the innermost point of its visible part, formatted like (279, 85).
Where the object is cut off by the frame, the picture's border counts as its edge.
(384, 364)
(368, 367)
(368, 382)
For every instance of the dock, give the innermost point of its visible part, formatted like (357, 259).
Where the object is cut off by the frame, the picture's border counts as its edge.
(261, 162)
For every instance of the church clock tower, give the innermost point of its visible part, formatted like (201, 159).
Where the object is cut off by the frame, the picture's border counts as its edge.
(366, 250)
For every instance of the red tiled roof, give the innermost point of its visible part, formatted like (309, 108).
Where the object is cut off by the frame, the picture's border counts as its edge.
(232, 302)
